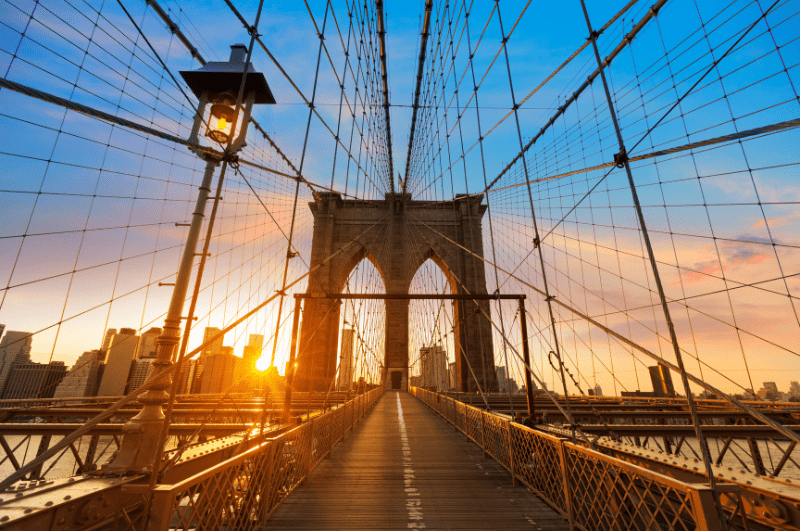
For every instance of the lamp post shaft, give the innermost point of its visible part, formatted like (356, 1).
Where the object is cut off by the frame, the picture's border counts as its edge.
(290, 368)
(523, 328)
(141, 434)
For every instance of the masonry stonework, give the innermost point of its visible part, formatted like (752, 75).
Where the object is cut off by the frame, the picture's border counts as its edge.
(397, 235)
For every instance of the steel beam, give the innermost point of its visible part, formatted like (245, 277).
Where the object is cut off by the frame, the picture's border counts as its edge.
(411, 296)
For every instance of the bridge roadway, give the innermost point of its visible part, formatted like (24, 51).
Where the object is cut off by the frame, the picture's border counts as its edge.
(404, 467)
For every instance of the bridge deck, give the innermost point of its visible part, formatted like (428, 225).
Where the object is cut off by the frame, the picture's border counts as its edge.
(404, 467)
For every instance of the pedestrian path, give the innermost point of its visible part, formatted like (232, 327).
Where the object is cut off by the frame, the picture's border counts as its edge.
(404, 467)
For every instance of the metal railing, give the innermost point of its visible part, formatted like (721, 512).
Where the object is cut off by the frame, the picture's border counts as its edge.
(593, 491)
(243, 491)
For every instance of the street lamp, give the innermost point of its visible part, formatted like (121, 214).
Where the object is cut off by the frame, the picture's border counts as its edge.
(217, 83)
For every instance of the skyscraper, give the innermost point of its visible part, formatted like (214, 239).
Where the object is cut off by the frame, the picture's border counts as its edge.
(111, 332)
(15, 347)
(434, 367)
(345, 379)
(147, 344)
(118, 360)
(502, 379)
(452, 377)
(188, 376)
(256, 340)
(246, 372)
(140, 370)
(661, 377)
(218, 371)
(216, 346)
(33, 380)
(82, 378)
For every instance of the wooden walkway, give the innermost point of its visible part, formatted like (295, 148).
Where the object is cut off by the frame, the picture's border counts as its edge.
(404, 467)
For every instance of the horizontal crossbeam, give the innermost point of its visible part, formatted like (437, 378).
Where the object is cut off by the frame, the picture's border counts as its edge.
(410, 296)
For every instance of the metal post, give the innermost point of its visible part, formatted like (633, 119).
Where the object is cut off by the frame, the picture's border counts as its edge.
(565, 481)
(511, 454)
(141, 434)
(290, 368)
(523, 326)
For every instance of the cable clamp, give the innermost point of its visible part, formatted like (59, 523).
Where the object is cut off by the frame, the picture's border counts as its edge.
(620, 158)
(290, 254)
(593, 35)
(550, 298)
(280, 292)
(536, 242)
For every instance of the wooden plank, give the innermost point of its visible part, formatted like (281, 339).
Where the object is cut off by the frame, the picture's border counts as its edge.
(385, 477)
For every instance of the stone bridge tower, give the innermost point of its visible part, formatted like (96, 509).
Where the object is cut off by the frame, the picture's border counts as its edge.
(397, 235)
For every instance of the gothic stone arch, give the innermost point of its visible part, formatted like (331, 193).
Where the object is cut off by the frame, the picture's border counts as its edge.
(393, 235)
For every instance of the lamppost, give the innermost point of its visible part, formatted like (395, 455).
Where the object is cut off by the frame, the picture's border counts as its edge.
(232, 88)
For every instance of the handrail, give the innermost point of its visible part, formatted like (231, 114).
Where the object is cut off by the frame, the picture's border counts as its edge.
(590, 489)
(254, 483)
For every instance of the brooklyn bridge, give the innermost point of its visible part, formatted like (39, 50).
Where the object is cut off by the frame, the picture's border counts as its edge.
(335, 264)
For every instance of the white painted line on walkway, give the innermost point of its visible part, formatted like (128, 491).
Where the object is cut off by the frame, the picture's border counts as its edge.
(413, 500)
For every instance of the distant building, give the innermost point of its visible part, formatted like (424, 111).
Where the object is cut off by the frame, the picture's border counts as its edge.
(452, 379)
(140, 370)
(15, 347)
(504, 383)
(794, 389)
(216, 346)
(83, 377)
(218, 371)
(33, 380)
(118, 360)
(111, 332)
(598, 391)
(147, 344)
(188, 376)
(434, 367)
(246, 373)
(256, 340)
(344, 380)
(661, 377)
(638, 393)
(769, 391)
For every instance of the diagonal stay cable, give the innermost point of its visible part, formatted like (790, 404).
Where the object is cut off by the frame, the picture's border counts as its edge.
(702, 383)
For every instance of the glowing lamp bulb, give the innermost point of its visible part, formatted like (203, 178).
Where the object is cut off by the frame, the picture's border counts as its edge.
(222, 124)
